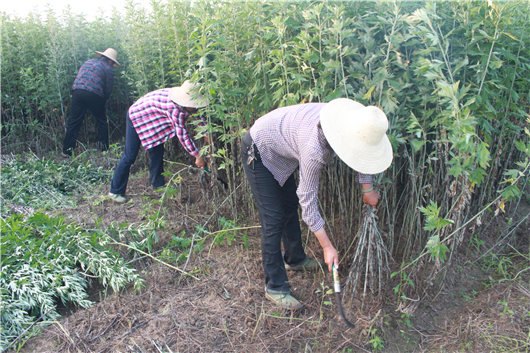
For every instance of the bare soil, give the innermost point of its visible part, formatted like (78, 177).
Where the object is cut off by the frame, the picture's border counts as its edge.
(222, 307)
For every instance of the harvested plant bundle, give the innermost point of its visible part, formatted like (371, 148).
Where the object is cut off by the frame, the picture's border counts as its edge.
(370, 256)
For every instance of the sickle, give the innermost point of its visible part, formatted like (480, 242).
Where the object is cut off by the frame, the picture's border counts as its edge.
(337, 297)
(225, 185)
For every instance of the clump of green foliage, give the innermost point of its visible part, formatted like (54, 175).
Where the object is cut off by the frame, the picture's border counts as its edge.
(45, 184)
(45, 259)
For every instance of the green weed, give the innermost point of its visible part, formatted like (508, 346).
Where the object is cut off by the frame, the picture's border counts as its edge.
(433, 221)
(375, 340)
(226, 235)
(405, 319)
(505, 310)
(476, 242)
(177, 249)
(326, 291)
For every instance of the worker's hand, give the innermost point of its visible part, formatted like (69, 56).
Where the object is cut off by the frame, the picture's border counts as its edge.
(371, 198)
(331, 257)
(200, 162)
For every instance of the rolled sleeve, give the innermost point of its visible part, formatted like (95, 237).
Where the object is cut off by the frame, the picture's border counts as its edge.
(364, 178)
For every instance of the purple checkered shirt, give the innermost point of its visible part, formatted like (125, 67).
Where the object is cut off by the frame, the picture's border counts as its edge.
(96, 76)
(290, 137)
(157, 118)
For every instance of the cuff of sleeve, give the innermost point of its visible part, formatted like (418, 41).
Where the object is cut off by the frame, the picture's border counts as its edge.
(194, 153)
(364, 178)
(318, 225)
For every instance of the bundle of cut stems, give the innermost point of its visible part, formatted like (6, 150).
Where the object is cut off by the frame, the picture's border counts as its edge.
(370, 256)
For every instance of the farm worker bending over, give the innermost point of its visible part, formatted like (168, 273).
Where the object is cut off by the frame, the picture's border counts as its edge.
(151, 121)
(90, 90)
(307, 136)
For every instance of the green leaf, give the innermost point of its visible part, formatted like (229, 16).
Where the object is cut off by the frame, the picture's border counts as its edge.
(369, 93)
(416, 144)
(437, 249)
(433, 221)
(483, 156)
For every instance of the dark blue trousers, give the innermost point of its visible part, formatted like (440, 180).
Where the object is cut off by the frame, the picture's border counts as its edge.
(132, 146)
(278, 213)
(83, 100)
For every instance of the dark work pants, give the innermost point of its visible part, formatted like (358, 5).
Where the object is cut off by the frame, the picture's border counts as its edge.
(81, 101)
(132, 146)
(278, 213)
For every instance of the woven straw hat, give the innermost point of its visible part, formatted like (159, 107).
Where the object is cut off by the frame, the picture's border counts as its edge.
(111, 54)
(188, 96)
(357, 134)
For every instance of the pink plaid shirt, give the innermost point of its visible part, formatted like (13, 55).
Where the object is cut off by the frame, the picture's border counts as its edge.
(157, 118)
(290, 137)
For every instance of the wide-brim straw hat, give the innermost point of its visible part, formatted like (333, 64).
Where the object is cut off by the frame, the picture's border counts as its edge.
(111, 54)
(188, 96)
(357, 134)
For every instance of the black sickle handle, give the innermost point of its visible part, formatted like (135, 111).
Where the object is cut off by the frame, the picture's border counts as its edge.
(337, 297)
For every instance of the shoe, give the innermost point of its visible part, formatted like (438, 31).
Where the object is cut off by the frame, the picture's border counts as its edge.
(307, 265)
(284, 300)
(117, 198)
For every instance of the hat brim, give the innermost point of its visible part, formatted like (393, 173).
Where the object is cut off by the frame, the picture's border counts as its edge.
(103, 54)
(340, 123)
(184, 99)
(368, 159)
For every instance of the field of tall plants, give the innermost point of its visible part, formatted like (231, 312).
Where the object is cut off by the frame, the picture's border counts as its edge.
(453, 77)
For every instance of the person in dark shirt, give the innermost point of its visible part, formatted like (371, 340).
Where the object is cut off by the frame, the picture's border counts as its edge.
(91, 89)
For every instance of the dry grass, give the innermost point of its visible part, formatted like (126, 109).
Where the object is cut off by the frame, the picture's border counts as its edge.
(498, 320)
